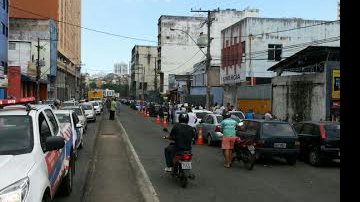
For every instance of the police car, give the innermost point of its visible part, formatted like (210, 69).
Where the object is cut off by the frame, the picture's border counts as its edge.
(36, 154)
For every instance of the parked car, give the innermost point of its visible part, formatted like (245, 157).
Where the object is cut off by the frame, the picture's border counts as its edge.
(70, 117)
(97, 107)
(211, 128)
(89, 111)
(80, 113)
(273, 138)
(319, 141)
(31, 142)
(69, 103)
(200, 115)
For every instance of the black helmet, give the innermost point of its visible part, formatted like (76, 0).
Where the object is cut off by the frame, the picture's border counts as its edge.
(183, 118)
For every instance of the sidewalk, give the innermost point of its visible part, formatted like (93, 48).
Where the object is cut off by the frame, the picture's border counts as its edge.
(112, 178)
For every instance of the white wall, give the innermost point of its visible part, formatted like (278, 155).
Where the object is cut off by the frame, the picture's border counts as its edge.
(259, 44)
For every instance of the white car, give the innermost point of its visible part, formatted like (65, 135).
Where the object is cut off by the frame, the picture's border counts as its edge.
(36, 154)
(70, 117)
(80, 114)
(70, 103)
(97, 107)
(200, 114)
(89, 111)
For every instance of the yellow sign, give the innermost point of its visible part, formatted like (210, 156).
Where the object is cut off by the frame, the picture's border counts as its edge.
(336, 84)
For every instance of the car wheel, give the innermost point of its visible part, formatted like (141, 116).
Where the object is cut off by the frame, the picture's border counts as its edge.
(291, 160)
(209, 140)
(314, 157)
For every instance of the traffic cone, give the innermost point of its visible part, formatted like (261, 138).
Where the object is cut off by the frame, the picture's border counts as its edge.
(164, 123)
(199, 140)
(157, 119)
(147, 114)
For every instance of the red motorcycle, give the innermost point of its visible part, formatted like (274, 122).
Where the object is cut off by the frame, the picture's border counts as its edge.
(244, 150)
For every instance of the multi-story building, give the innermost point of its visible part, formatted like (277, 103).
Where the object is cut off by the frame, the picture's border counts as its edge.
(4, 18)
(24, 36)
(121, 69)
(67, 14)
(252, 45)
(144, 74)
(178, 49)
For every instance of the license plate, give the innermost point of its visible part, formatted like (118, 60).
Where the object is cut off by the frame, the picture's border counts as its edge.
(186, 165)
(251, 148)
(280, 145)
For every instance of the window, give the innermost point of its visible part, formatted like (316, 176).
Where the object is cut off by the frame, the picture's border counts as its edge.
(44, 130)
(12, 46)
(297, 127)
(251, 127)
(75, 118)
(7, 31)
(209, 120)
(274, 52)
(53, 121)
(4, 4)
(3, 28)
(307, 129)
(277, 130)
(243, 51)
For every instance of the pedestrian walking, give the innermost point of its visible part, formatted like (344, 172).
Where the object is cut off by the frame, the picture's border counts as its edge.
(112, 109)
(249, 114)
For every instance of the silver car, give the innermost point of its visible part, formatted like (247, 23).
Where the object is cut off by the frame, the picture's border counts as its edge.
(80, 113)
(89, 111)
(211, 128)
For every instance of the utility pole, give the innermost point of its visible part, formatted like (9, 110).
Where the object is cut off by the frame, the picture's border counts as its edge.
(38, 72)
(143, 84)
(208, 55)
(250, 62)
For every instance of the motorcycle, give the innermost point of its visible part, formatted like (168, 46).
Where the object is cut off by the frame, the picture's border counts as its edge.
(244, 151)
(182, 166)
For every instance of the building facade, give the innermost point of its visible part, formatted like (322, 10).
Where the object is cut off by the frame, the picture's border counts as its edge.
(23, 52)
(178, 52)
(68, 40)
(144, 71)
(251, 46)
(121, 69)
(4, 18)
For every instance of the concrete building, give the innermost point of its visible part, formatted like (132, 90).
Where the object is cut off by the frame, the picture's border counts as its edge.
(143, 71)
(69, 38)
(252, 45)
(314, 93)
(178, 52)
(121, 69)
(23, 41)
(4, 18)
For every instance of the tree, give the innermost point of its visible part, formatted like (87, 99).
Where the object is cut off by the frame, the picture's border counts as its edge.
(92, 85)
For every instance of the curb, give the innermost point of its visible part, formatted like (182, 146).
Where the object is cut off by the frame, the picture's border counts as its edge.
(147, 190)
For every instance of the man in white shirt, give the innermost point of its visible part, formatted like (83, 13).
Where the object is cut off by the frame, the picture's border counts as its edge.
(192, 118)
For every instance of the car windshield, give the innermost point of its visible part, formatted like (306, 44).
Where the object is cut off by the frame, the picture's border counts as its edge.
(65, 104)
(15, 135)
(219, 119)
(95, 104)
(200, 115)
(87, 107)
(332, 131)
(238, 114)
(63, 118)
(76, 110)
(277, 129)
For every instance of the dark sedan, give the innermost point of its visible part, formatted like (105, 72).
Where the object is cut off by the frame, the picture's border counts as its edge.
(273, 138)
(319, 141)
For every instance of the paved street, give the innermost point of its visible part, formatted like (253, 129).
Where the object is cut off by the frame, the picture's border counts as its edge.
(103, 172)
(274, 182)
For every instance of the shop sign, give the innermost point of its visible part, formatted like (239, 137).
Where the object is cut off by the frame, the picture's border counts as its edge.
(335, 84)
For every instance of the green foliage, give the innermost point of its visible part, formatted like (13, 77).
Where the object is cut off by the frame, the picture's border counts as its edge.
(92, 85)
(122, 89)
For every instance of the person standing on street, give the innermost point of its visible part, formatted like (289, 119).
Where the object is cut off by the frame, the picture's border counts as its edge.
(112, 108)
(228, 127)
(249, 114)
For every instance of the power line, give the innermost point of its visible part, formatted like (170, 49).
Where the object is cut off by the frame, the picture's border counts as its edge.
(82, 27)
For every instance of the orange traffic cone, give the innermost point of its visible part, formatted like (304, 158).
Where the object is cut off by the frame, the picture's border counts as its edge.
(147, 114)
(164, 123)
(199, 140)
(157, 119)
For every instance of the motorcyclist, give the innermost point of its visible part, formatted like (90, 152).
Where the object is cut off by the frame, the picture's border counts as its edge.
(182, 135)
